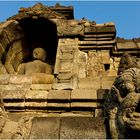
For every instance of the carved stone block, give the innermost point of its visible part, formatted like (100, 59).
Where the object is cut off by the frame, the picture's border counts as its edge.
(112, 73)
(66, 56)
(62, 95)
(10, 128)
(90, 30)
(41, 86)
(61, 86)
(89, 83)
(36, 106)
(105, 57)
(84, 94)
(94, 63)
(126, 45)
(45, 128)
(42, 78)
(15, 87)
(4, 79)
(82, 128)
(13, 94)
(82, 62)
(37, 95)
(106, 82)
(13, 31)
(65, 66)
(20, 79)
(15, 106)
(58, 107)
(104, 29)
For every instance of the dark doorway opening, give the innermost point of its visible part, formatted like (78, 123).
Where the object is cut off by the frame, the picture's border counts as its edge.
(40, 32)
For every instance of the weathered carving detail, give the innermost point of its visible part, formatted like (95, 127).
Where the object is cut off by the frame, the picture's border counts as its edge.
(11, 129)
(122, 104)
(69, 27)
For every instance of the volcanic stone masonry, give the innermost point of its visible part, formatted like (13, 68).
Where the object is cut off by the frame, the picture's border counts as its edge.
(56, 73)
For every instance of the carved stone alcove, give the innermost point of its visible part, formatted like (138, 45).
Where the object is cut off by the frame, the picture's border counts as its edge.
(42, 33)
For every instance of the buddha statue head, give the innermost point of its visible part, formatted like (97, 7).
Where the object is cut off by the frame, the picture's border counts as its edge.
(39, 54)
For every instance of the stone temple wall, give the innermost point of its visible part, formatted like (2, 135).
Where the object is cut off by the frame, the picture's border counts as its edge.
(86, 57)
(86, 63)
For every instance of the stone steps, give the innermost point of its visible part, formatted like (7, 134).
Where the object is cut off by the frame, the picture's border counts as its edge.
(107, 42)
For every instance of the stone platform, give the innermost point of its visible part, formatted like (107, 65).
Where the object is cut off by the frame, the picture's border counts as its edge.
(61, 126)
(68, 128)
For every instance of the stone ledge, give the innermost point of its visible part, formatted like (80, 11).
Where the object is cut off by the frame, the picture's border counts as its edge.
(59, 95)
(42, 78)
(17, 105)
(20, 79)
(58, 105)
(15, 87)
(61, 86)
(35, 106)
(82, 128)
(84, 104)
(41, 86)
(89, 83)
(36, 94)
(83, 94)
(13, 94)
(26, 79)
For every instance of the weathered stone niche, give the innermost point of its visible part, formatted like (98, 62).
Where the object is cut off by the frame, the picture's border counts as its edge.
(29, 34)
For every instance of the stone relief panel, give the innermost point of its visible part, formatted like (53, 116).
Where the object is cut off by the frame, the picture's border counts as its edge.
(97, 63)
(66, 64)
(94, 63)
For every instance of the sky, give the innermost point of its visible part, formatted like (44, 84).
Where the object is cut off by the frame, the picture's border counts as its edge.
(125, 14)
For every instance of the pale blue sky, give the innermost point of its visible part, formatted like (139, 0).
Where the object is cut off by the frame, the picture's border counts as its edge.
(125, 14)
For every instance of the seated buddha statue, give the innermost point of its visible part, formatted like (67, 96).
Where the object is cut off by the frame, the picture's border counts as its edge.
(37, 65)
